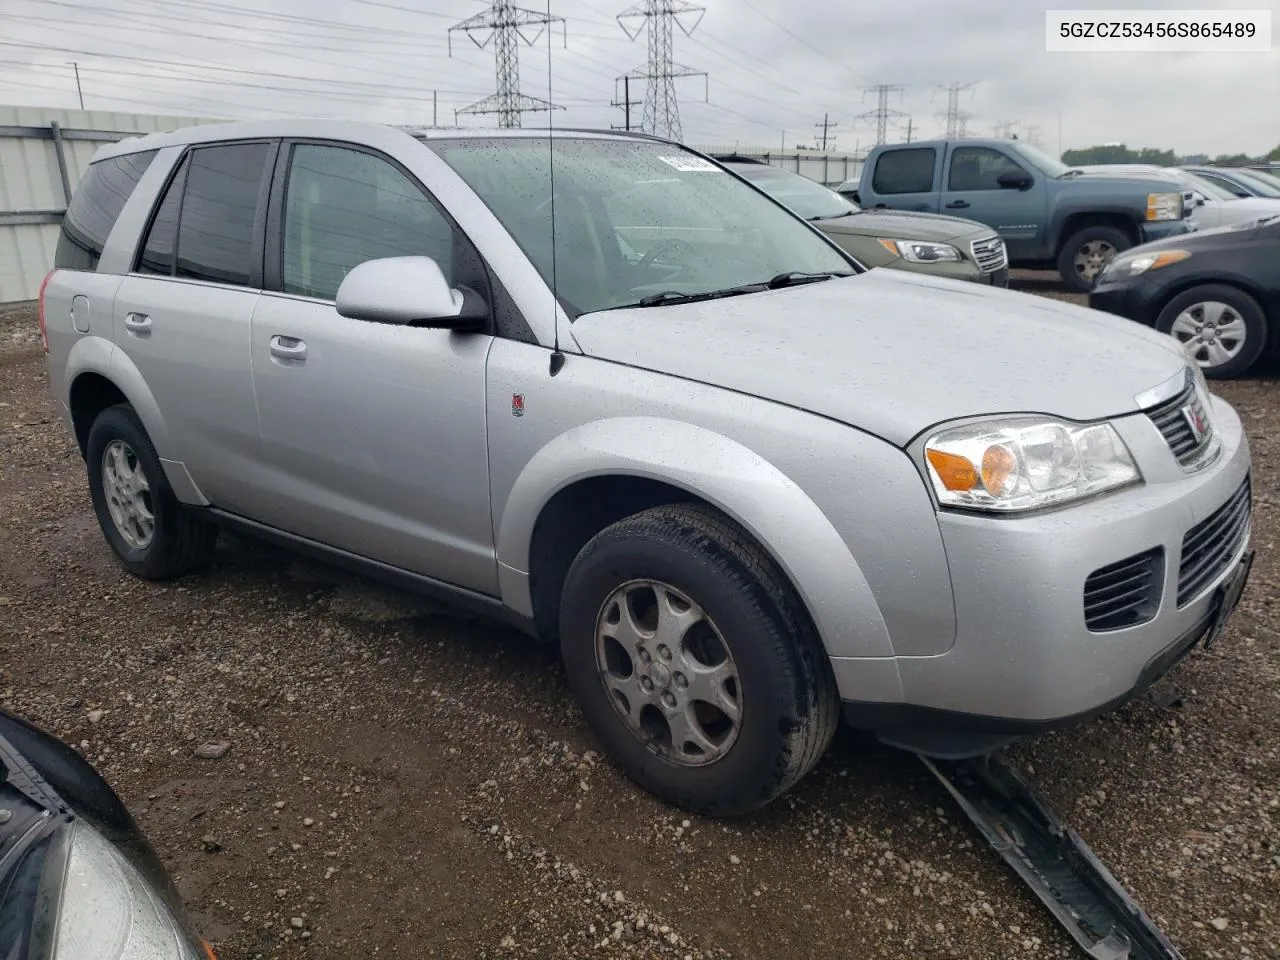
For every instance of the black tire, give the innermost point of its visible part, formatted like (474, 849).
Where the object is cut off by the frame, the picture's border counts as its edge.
(1072, 279)
(787, 693)
(1255, 324)
(181, 540)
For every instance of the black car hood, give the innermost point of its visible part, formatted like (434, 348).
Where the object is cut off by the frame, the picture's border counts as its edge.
(1217, 238)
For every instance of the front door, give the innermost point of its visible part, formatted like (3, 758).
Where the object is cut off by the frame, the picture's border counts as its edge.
(374, 434)
(972, 190)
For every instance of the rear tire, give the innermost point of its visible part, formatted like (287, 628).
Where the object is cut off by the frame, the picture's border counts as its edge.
(1086, 252)
(1232, 322)
(154, 536)
(666, 711)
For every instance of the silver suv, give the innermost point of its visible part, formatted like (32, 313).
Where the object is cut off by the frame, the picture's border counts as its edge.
(651, 415)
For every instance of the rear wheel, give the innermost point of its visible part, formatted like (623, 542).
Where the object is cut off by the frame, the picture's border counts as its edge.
(694, 662)
(1222, 327)
(153, 535)
(1086, 253)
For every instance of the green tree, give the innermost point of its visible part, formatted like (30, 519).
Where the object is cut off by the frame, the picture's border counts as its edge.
(1233, 160)
(1274, 154)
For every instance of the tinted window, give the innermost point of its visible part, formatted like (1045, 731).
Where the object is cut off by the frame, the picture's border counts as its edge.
(219, 209)
(162, 235)
(97, 203)
(979, 168)
(343, 207)
(904, 171)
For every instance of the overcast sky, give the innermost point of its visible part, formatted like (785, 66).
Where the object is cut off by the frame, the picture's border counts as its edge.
(775, 67)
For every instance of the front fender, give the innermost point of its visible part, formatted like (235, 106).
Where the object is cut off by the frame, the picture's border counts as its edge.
(777, 512)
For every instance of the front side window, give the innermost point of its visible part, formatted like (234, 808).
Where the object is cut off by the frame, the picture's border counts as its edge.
(804, 197)
(904, 171)
(343, 207)
(94, 209)
(979, 168)
(219, 213)
(634, 219)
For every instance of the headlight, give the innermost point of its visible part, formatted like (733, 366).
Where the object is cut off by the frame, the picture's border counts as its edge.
(1122, 268)
(1164, 206)
(921, 251)
(109, 912)
(1026, 463)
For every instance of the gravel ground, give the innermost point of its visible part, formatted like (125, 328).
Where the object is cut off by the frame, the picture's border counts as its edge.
(403, 782)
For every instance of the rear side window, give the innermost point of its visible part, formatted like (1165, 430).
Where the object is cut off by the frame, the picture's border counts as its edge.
(904, 171)
(94, 208)
(224, 186)
(162, 235)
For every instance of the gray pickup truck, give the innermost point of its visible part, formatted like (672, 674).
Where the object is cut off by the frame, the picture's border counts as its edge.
(1048, 214)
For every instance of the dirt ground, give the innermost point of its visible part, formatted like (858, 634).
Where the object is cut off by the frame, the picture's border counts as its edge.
(402, 782)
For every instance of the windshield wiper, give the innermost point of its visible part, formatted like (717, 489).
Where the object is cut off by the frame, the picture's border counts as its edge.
(674, 296)
(835, 216)
(795, 277)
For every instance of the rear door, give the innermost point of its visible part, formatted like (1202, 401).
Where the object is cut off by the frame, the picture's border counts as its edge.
(972, 190)
(905, 178)
(182, 315)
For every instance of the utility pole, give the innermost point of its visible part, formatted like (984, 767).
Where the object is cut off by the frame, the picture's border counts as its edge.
(882, 114)
(506, 25)
(908, 129)
(953, 105)
(626, 101)
(826, 125)
(661, 115)
(79, 93)
(435, 103)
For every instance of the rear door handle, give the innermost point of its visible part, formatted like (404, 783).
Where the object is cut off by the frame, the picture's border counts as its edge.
(138, 323)
(957, 204)
(288, 348)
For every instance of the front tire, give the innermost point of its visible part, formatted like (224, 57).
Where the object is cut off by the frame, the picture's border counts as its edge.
(694, 661)
(153, 535)
(1222, 324)
(1086, 253)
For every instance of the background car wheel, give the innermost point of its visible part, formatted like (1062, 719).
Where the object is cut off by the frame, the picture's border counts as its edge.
(1086, 252)
(694, 661)
(152, 533)
(1223, 325)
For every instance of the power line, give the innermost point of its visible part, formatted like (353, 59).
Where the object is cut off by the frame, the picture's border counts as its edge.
(785, 29)
(661, 115)
(504, 23)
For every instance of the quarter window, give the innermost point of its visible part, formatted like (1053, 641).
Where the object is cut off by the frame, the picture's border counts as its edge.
(979, 168)
(97, 203)
(343, 207)
(219, 212)
(904, 171)
(162, 235)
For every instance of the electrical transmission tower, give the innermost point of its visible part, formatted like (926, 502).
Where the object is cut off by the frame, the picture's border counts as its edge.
(661, 116)
(1004, 129)
(506, 25)
(1033, 134)
(882, 114)
(953, 106)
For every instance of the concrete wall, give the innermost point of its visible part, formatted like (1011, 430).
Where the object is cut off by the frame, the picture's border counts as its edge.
(32, 195)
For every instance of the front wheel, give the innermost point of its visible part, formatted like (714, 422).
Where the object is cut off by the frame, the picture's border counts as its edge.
(1086, 253)
(1222, 327)
(694, 661)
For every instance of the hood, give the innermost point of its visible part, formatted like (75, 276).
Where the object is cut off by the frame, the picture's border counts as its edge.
(1250, 208)
(893, 353)
(902, 225)
(1213, 239)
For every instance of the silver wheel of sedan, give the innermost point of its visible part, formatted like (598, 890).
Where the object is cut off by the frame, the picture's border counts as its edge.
(1213, 332)
(128, 494)
(669, 673)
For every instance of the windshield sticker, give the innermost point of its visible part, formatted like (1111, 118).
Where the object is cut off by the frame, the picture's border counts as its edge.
(689, 164)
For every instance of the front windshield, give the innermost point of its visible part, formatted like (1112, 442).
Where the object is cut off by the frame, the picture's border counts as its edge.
(1266, 186)
(634, 218)
(1041, 160)
(804, 197)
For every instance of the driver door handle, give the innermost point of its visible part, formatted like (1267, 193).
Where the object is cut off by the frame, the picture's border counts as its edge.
(137, 323)
(288, 348)
(957, 204)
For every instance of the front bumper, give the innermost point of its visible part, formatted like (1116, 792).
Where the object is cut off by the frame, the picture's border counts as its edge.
(1135, 298)
(1023, 658)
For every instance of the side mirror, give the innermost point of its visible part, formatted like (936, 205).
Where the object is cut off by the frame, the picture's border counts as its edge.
(1014, 180)
(410, 291)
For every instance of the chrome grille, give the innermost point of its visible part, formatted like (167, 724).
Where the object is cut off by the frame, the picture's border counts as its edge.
(989, 254)
(1209, 546)
(1173, 419)
(1126, 593)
